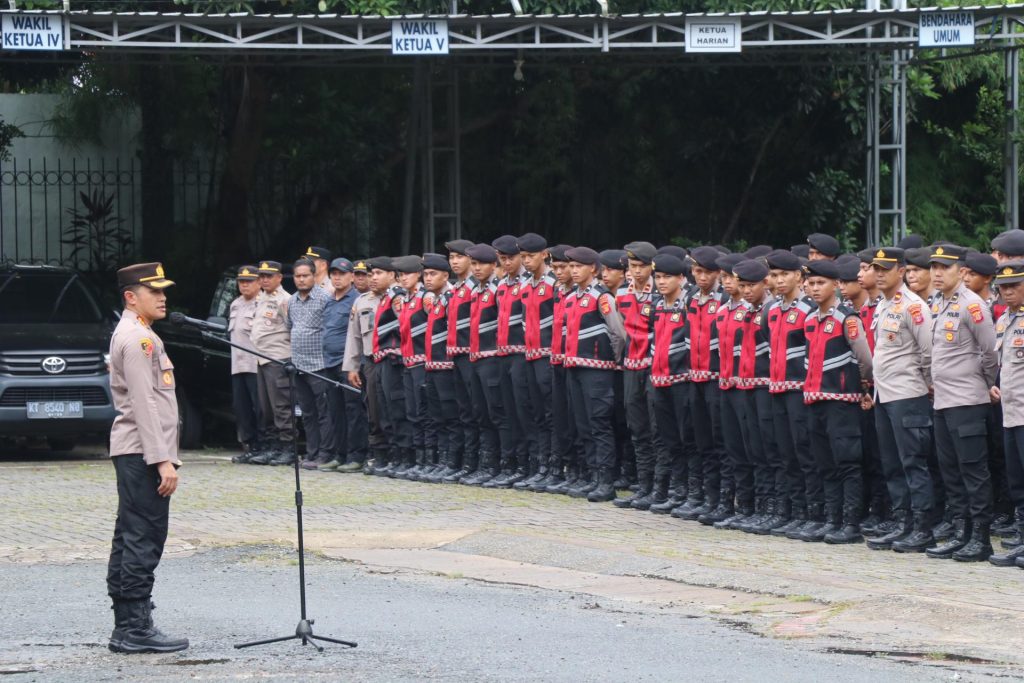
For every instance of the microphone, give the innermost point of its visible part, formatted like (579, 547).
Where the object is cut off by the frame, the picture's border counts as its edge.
(182, 319)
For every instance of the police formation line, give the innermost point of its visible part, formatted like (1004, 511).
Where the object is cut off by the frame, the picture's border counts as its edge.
(802, 393)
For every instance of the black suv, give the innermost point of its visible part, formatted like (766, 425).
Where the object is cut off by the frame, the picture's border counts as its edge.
(54, 341)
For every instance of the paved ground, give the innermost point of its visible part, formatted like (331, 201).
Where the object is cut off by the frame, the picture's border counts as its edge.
(811, 597)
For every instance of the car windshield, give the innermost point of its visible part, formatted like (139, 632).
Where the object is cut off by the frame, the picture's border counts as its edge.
(29, 298)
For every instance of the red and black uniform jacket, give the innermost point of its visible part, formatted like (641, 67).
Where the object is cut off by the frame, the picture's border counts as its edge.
(730, 333)
(670, 348)
(635, 307)
(412, 326)
(702, 329)
(588, 343)
(562, 296)
(789, 343)
(386, 340)
(460, 308)
(483, 335)
(832, 371)
(754, 368)
(867, 318)
(538, 297)
(510, 316)
(437, 331)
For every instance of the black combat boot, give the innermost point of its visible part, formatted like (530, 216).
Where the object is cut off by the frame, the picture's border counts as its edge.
(904, 527)
(798, 515)
(763, 509)
(138, 634)
(554, 478)
(849, 528)
(646, 483)
(943, 529)
(1016, 539)
(920, 539)
(584, 485)
(1003, 525)
(833, 517)
(1008, 558)
(676, 497)
(743, 512)
(723, 510)
(529, 481)
(285, 455)
(657, 494)
(779, 517)
(814, 519)
(248, 453)
(605, 489)
(694, 499)
(979, 548)
(945, 550)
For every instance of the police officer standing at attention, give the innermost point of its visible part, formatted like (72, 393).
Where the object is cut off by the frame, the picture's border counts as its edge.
(245, 400)
(964, 368)
(320, 257)
(144, 448)
(271, 338)
(460, 308)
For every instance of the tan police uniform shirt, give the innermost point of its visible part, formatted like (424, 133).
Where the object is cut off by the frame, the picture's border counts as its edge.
(142, 386)
(359, 341)
(1010, 347)
(902, 327)
(240, 318)
(964, 359)
(270, 335)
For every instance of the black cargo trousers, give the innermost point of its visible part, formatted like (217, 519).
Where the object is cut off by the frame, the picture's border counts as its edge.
(140, 530)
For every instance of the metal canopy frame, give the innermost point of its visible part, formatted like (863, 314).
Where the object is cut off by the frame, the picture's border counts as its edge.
(885, 37)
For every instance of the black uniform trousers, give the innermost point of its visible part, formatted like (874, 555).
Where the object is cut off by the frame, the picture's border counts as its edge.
(565, 440)
(804, 484)
(904, 429)
(997, 461)
(706, 414)
(735, 435)
(338, 413)
(276, 410)
(518, 413)
(414, 386)
(351, 439)
(443, 410)
(671, 414)
(539, 382)
(636, 389)
(625, 456)
(311, 394)
(769, 473)
(834, 427)
(1013, 448)
(469, 412)
(494, 438)
(140, 530)
(394, 419)
(246, 404)
(961, 443)
(876, 496)
(592, 397)
(373, 407)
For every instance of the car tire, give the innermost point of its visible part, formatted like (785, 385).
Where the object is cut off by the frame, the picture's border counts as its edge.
(57, 443)
(190, 422)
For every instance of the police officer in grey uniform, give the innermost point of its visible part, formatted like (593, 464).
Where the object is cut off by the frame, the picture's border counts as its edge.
(964, 367)
(245, 400)
(270, 337)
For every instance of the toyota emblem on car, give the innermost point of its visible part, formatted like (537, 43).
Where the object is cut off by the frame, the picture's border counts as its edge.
(54, 365)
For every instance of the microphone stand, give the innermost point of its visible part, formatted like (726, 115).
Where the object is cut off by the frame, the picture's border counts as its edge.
(304, 630)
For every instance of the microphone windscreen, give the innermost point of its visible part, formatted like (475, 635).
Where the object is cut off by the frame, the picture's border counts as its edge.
(177, 317)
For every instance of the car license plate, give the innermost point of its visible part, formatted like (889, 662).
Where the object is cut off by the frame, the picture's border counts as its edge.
(54, 410)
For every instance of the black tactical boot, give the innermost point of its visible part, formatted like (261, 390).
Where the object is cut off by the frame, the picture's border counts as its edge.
(646, 483)
(558, 485)
(271, 451)
(723, 510)
(584, 485)
(849, 528)
(813, 521)
(943, 530)
(529, 481)
(1016, 539)
(979, 548)
(780, 517)
(767, 512)
(140, 635)
(285, 455)
(742, 513)
(833, 517)
(797, 518)
(120, 624)
(1008, 558)
(904, 527)
(552, 478)
(694, 499)
(676, 497)
(945, 550)
(920, 539)
(605, 489)
(1003, 525)
(248, 452)
(657, 494)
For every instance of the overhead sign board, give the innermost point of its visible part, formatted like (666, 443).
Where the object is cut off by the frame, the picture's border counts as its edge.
(32, 32)
(419, 37)
(713, 34)
(945, 29)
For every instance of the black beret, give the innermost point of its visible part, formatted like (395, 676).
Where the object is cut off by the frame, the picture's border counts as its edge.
(407, 264)
(783, 259)
(849, 269)
(947, 254)
(458, 246)
(1010, 273)
(982, 264)
(910, 242)
(436, 262)
(584, 255)
(379, 263)
(317, 252)
(532, 242)
(826, 244)
(750, 270)
(1010, 243)
(247, 272)
(484, 253)
(669, 264)
(727, 261)
(676, 251)
(822, 268)
(801, 250)
(888, 257)
(506, 244)
(843, 258)
(866, 255)
(558, 253)
(758, 251)
(706, 257)
(641, 251)
(614, 258)
(722, 249)
(918, 257)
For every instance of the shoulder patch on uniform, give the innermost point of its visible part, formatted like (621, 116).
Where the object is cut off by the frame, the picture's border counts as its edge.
(852, 328)
(147, 346)
(977, 315)
(606, 304)
(916, 314)
(396, 304)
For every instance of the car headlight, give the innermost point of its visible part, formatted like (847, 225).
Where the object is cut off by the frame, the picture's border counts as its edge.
(106, 361)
